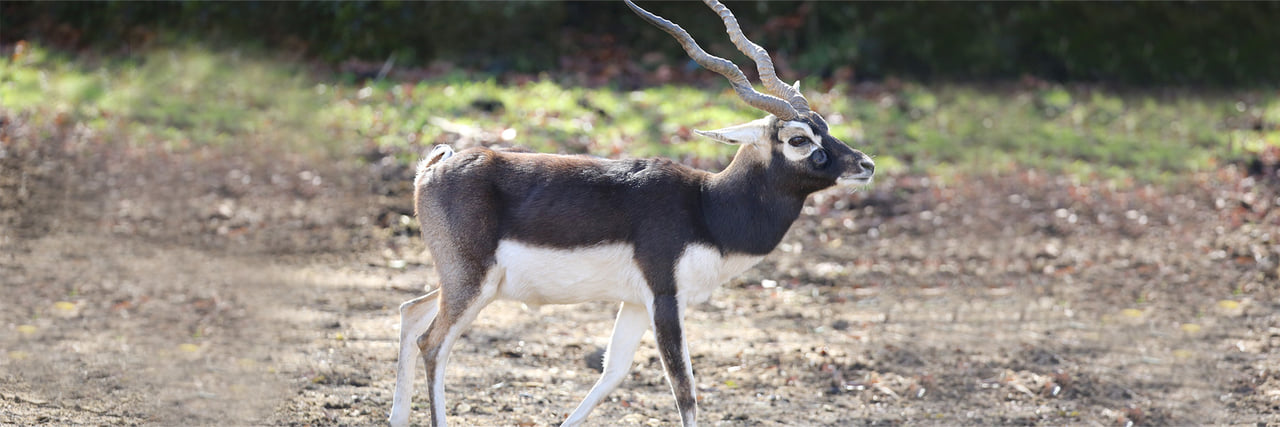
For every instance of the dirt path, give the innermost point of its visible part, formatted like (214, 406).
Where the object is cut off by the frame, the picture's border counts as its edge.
(156, 334)
(113, 331)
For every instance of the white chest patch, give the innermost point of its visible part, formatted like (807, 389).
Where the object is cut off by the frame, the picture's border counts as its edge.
(538, 275)
(701, 269)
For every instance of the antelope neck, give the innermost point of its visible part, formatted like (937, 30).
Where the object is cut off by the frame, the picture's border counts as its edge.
(747, 211)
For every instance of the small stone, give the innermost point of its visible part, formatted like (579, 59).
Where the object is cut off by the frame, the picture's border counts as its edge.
(595, 360)
(632, 419)
(840, 325)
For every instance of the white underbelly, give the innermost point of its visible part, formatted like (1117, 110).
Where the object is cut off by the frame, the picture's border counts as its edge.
(538, 275)
(606, 272)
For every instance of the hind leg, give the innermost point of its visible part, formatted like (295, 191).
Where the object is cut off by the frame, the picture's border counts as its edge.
(456, 314)
(415, 316)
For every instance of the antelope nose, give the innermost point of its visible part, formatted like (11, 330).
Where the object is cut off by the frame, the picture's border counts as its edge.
(867, 165)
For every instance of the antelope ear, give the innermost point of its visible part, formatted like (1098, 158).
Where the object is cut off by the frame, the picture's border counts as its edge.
(747, 133)
(796, 85)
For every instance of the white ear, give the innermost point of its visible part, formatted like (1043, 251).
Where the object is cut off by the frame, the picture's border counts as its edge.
(796, 85)
(746, 133)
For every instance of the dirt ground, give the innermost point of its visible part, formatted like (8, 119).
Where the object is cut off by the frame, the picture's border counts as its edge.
(148, 287)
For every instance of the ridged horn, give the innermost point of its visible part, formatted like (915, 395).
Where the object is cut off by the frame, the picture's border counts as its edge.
(779, 107)
(764, 64)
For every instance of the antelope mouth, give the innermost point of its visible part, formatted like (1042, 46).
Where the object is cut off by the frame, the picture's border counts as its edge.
(863, 178)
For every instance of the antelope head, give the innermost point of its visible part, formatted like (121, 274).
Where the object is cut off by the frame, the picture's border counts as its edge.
(792, 137)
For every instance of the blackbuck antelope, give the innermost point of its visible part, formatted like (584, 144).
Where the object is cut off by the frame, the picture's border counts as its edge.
(654, 235)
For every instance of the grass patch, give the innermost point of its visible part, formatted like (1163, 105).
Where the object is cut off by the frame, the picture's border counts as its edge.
(187, 98)
(180, 98)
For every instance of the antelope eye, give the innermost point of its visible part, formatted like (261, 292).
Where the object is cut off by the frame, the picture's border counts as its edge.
(798, 141)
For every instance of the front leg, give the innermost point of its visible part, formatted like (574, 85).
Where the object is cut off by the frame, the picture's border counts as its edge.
(633, 320)
(668, 328)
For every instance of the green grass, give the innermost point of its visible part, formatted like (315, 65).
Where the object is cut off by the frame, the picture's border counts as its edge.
(187, 98)
(178, 98)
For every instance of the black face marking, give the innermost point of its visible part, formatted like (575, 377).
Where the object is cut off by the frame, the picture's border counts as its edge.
(819, 158)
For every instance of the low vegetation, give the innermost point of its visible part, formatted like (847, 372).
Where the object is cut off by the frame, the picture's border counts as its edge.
(184, 99)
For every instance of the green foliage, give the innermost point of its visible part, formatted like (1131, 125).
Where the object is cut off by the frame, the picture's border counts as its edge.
(191, 98)
(1134, 43)
(179, 98)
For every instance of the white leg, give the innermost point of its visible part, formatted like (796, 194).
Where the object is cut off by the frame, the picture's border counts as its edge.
(633, 320)
(415, 317)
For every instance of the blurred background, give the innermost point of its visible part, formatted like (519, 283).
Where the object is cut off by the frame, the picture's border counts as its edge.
(205, 209)
(1142, 44)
